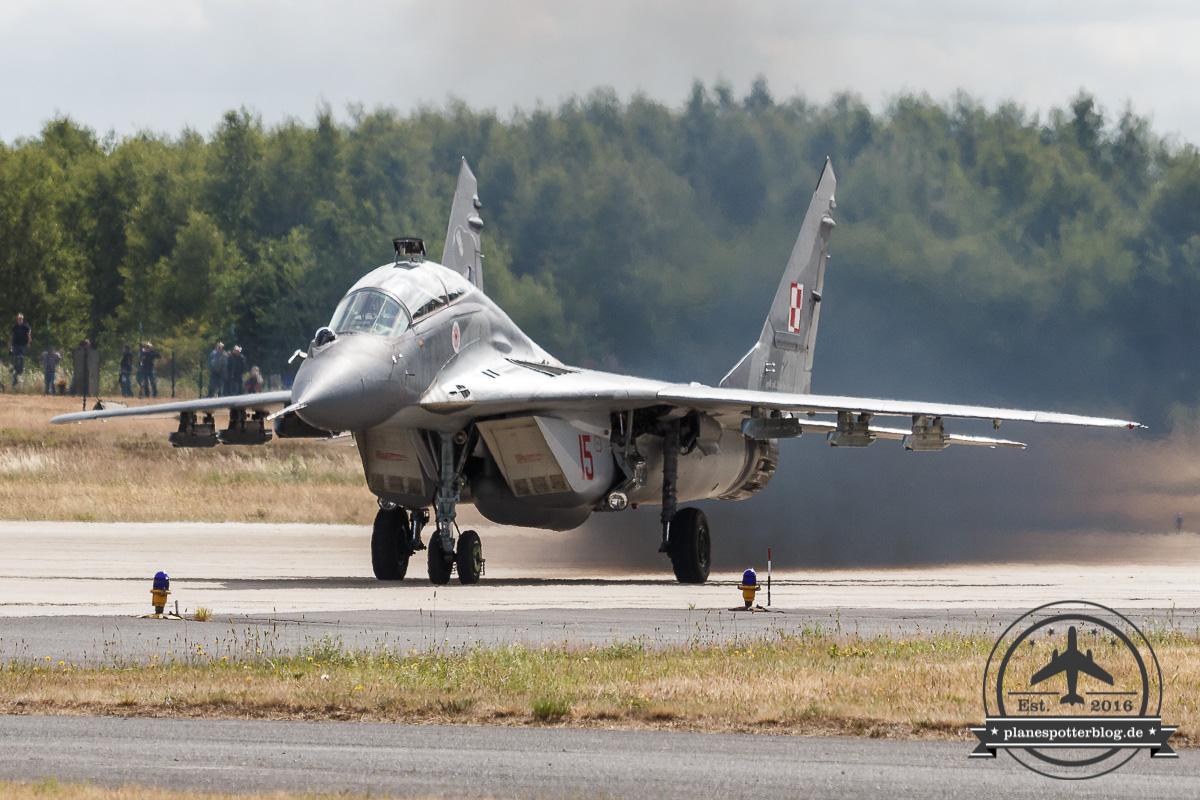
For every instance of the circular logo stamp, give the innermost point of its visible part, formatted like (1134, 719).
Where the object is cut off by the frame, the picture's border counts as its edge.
(1072, 690)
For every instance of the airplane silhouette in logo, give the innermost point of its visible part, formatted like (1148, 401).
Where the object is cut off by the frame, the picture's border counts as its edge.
(1071, 662)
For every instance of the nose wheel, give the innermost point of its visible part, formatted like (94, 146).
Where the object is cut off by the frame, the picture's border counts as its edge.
(441, 563)
(469, 558)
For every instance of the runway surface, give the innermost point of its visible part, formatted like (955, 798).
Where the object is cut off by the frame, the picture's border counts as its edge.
(415, 760)
(58, 568)
(73, 591)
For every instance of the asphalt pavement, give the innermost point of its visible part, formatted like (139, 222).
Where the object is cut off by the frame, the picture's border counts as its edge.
(421, 761)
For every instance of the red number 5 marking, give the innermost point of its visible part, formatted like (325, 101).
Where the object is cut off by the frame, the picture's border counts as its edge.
(585, 456)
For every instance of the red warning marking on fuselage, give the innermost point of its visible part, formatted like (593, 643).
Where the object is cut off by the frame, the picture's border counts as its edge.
(794, 314)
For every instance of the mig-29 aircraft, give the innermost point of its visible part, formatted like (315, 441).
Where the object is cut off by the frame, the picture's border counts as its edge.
(449, 402)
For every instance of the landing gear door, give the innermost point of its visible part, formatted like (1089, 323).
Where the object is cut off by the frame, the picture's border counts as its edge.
(583, 451)
(545, 455)
(396, 462)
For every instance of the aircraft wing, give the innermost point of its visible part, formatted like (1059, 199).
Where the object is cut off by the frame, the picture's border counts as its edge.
(705, 398)
(516, 386)
(261, 401)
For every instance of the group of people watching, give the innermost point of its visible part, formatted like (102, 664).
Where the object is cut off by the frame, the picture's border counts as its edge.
(226, 369)
(146, 377)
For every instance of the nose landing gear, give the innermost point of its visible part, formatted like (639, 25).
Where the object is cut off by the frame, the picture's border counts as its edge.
(443, 557)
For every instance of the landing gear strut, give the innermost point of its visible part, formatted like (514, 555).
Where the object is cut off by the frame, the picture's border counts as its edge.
(684, 533)
(442, 555)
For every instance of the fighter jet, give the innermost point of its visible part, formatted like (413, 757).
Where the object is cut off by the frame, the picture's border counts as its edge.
(450, 402)
(1071, 662)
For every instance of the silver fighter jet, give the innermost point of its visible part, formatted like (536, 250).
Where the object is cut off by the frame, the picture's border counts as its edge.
(449, 402)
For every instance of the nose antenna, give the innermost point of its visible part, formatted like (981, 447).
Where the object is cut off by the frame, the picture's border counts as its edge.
(409, 249)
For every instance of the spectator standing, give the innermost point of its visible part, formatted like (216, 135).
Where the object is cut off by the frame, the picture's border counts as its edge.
(125, 371)
(50, 359)
(147, 381)
(18, 344)
(237, 369)
(218, 370)
(254, 382)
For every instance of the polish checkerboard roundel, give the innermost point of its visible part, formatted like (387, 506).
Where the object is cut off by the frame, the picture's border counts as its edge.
(794, 311)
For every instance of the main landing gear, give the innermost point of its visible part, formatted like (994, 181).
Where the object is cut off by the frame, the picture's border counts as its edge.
(397, 532)
(684, 533)
(394, 538)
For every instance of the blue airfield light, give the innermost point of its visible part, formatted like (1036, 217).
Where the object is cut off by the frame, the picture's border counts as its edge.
(749, 586)
(162, 581)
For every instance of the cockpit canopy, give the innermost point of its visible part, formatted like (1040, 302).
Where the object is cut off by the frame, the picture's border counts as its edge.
(370, 311)
(407, 296)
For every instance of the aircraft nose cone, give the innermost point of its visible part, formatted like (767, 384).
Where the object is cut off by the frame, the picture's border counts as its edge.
(339, 395)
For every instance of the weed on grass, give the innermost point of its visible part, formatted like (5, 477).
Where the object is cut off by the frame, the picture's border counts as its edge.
(550, 709)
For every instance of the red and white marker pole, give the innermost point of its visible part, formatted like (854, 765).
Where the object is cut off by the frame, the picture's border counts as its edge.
(768, 577)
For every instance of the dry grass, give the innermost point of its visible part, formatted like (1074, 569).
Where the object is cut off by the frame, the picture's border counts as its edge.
(808, 683)
(53, 789)
(124, 471)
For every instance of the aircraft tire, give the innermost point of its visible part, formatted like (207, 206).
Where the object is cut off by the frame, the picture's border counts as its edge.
(690, 545)
(439, 565)
(469, 558)
(389, 555)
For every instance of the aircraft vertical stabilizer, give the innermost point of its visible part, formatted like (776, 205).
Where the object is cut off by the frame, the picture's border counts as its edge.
(782, 359)
(462, 252)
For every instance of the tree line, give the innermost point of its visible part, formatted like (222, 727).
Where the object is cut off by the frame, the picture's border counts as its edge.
(982, 254)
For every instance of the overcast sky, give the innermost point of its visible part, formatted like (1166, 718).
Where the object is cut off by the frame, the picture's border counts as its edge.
(161, 65)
